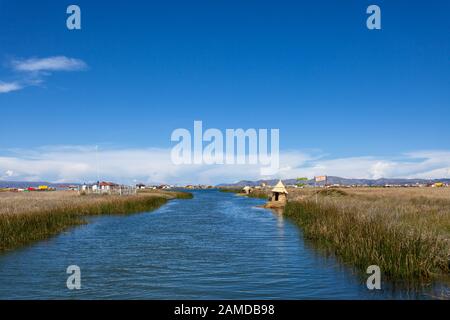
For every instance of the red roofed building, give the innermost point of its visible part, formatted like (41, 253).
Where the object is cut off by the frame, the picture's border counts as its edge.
(107, 185)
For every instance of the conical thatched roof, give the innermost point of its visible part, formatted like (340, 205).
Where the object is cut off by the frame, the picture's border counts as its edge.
(279, 187)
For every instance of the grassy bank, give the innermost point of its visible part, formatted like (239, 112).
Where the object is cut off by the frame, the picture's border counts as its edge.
(26, 218)
(168, 194)
(260, 194)
(406, 234)
(231, 190)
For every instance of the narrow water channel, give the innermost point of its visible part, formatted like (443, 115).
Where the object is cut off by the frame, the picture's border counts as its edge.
(215, 246)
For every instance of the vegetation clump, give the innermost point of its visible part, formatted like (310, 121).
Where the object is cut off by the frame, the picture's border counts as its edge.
(406, 237)
(231, 190)
(332, 192)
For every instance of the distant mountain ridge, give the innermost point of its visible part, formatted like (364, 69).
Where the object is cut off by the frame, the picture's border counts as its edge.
(339, 180)
(331, 180)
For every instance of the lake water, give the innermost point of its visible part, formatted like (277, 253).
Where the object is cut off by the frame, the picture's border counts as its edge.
(215, 246)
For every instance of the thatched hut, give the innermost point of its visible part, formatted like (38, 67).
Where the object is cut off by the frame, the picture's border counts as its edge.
(247, 189)
(279, 193)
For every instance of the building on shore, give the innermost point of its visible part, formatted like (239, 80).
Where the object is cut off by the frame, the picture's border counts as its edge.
(108, 186)
(140, 186)
(104, 187)
(278, 198)
(247, 189)
(279, 193)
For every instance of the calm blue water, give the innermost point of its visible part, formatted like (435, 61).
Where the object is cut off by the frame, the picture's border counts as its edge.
(215, 246)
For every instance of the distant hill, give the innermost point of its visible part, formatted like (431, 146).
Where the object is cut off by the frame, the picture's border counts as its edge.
(339, 180)
(32, 184)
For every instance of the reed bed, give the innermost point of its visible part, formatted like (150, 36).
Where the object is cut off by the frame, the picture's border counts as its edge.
(230, 189)
(405, 231)
(29, 217)
(259, 194)
(165, 193)
(255, 193)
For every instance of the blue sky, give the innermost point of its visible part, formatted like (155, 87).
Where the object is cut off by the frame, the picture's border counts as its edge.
(335, 89)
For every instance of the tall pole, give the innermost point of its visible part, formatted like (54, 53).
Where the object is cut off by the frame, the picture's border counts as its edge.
(96, 162)
(315, 187)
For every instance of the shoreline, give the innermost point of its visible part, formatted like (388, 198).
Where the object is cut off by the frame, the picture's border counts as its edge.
(40, 216)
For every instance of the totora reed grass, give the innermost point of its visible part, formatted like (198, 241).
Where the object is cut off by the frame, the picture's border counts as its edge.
(405, 235)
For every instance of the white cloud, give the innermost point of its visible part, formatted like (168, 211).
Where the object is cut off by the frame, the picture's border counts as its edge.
(9, 86)
(57, 63)
(7, 174)
(79, 164)
(34, 71)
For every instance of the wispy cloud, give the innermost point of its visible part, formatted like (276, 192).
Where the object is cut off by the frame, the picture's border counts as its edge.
(33, 71)
(84, 163)
(6, 87)
(57, 63)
